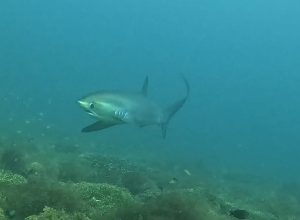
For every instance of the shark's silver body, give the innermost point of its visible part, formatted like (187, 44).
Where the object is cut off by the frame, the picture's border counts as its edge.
(113, 108)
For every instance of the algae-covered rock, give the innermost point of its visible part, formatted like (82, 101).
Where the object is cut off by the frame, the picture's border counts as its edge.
(103, 197)
(35, 168)
(7, 177)
(51, 214)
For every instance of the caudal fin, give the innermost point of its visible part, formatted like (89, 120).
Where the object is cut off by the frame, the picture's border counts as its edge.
(170, 111)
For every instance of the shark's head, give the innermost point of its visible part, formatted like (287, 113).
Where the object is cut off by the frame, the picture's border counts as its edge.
(89, 105)
(96, 106)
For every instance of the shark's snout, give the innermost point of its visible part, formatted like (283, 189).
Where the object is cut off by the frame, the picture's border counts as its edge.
(83, 104)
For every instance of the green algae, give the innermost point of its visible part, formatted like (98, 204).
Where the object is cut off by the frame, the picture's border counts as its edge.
(13, 160)
(2, 215)
(53, 214)
(30, 198)
(7, 177)
(103, 198)
(135, 182)
(171, 205)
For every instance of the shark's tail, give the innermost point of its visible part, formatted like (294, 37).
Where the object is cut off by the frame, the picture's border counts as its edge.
(170, 111)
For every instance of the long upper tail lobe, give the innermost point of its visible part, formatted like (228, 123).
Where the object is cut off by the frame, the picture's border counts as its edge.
(171, 110)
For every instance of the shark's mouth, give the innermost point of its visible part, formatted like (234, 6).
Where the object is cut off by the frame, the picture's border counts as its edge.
(91, 113)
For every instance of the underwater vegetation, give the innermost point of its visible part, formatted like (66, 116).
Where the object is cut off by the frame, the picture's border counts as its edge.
(170, 206)
(50, 213)
(66, 184)
(71, 170)
(173, 205)
(103, 198)
(27, 199)
(135, 182)
(13, 160)
(239, 213)
(9, 178)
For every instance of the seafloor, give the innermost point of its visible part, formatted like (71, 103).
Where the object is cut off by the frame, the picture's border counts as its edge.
(57, 178)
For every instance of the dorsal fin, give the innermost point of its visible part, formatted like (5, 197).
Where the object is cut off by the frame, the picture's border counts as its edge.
(145, 87)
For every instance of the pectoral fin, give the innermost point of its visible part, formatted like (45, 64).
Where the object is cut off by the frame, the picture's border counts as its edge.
(99, 125)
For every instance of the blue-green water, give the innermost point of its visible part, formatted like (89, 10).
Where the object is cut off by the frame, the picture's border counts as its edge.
(240, 57)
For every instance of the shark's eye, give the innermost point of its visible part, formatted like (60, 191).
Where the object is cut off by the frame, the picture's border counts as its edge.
(92, 105)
